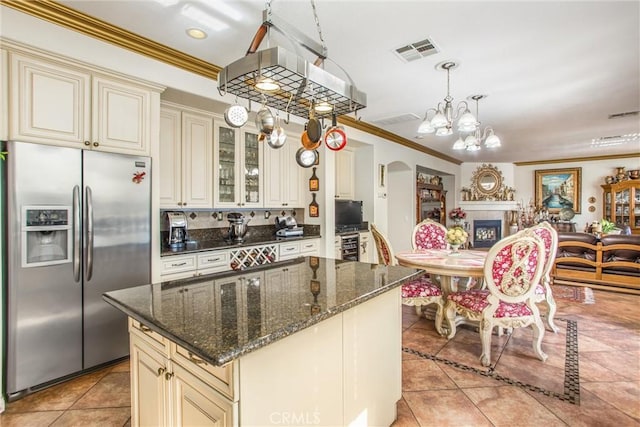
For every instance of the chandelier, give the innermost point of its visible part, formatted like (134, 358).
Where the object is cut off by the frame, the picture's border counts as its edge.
(473, 141)
(286, 81)
(444, 115)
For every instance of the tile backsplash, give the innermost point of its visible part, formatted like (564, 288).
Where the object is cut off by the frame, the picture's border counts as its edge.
(197, 220)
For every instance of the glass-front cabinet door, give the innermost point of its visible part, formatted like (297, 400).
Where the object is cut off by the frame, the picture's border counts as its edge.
(238, 173)
(226, 155)
(252, 170)
(622, 204)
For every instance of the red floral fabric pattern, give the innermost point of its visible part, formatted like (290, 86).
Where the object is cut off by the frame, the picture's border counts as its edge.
(385, 254)
(514, 278)
(422, 287)
(431, 236)
(476, 300)
(545, 235)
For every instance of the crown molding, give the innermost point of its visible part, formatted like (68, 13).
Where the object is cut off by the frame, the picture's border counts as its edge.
(579, 159)
(69, 18)
(374, 130)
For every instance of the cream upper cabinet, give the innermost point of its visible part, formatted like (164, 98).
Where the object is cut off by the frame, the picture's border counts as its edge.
(283, 177)
(121, 116)
(4, 96)
(344, 174)
(52, 102)
(237, 174)
(186, 158)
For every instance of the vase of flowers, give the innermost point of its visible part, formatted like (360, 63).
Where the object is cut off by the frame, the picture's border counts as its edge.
(456, 237)
(457, 215)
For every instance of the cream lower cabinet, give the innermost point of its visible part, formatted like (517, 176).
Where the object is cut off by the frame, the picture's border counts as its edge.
(321, 375)
(63, 103)
(186, 158)
(366, 248)
(337, 247)
(283, 178)
(192, 265)
(165, 393)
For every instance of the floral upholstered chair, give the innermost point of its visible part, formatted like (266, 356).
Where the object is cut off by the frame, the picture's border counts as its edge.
(512, 271)
(419, 292)
(429, 234)
(549, 237)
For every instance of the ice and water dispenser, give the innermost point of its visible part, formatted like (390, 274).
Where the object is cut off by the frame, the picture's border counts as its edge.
(46, 235)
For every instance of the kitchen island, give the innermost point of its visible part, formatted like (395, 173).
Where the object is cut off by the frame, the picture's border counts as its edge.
(307, 341)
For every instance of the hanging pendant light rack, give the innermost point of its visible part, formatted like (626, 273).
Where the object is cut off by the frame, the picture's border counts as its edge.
(295, 81)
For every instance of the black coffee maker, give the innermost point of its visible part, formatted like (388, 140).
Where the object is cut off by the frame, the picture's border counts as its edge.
(177, 229)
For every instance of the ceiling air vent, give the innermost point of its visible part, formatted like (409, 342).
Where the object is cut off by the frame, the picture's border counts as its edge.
(607, 141)
(627, 114)
(417, 50)
(394, 120)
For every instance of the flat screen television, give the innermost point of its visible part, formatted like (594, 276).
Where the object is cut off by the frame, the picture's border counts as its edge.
(348, 214)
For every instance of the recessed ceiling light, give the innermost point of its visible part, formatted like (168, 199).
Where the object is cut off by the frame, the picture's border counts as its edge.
(196, 33)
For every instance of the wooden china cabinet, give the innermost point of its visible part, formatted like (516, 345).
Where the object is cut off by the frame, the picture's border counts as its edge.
(621, 203)
(430, 202)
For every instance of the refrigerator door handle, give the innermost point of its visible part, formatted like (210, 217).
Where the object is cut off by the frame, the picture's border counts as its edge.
(89, 227)
(76, 233)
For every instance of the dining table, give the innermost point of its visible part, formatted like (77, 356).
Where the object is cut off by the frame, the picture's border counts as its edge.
(446, 268)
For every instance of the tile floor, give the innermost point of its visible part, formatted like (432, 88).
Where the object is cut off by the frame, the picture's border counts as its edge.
(434, 393)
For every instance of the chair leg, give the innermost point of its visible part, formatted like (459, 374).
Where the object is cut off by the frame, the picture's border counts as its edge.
(450, 317)
(538, 334)
(551, 312)
(486, 329)
(439, 316)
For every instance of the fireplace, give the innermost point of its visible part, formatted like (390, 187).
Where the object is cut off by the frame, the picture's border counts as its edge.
(486, 232)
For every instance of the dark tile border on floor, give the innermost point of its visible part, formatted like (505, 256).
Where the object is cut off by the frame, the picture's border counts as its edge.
(571, 368)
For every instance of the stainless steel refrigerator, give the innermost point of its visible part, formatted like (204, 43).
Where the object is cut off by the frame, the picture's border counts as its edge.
(78, 225)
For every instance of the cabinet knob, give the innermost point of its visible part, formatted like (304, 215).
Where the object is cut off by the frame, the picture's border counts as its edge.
(96, 144)
(160, 372)
(168, 375)
(87, 143)
(184, 203)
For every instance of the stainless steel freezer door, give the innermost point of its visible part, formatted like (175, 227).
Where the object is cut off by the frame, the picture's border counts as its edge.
(117, 239)
(44, 311)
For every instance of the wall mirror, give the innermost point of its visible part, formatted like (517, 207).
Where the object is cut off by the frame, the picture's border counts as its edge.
(487, 183)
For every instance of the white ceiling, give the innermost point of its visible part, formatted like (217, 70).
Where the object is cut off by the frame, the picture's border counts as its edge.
(553, 70)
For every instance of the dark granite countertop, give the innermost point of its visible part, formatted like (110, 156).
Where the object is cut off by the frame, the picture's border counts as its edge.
(208, 245)
(222, 316)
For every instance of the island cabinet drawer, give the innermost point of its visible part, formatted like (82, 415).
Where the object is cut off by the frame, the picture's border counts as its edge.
(178, 264)
(145, 333)
(289, 250)
(212, 262)
(309, 247)
(220, 378)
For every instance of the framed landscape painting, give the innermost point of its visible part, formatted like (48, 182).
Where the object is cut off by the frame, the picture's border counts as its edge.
(557, 189)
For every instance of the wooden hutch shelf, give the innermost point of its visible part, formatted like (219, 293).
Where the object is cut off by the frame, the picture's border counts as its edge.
(431, 202)
(621, 203)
